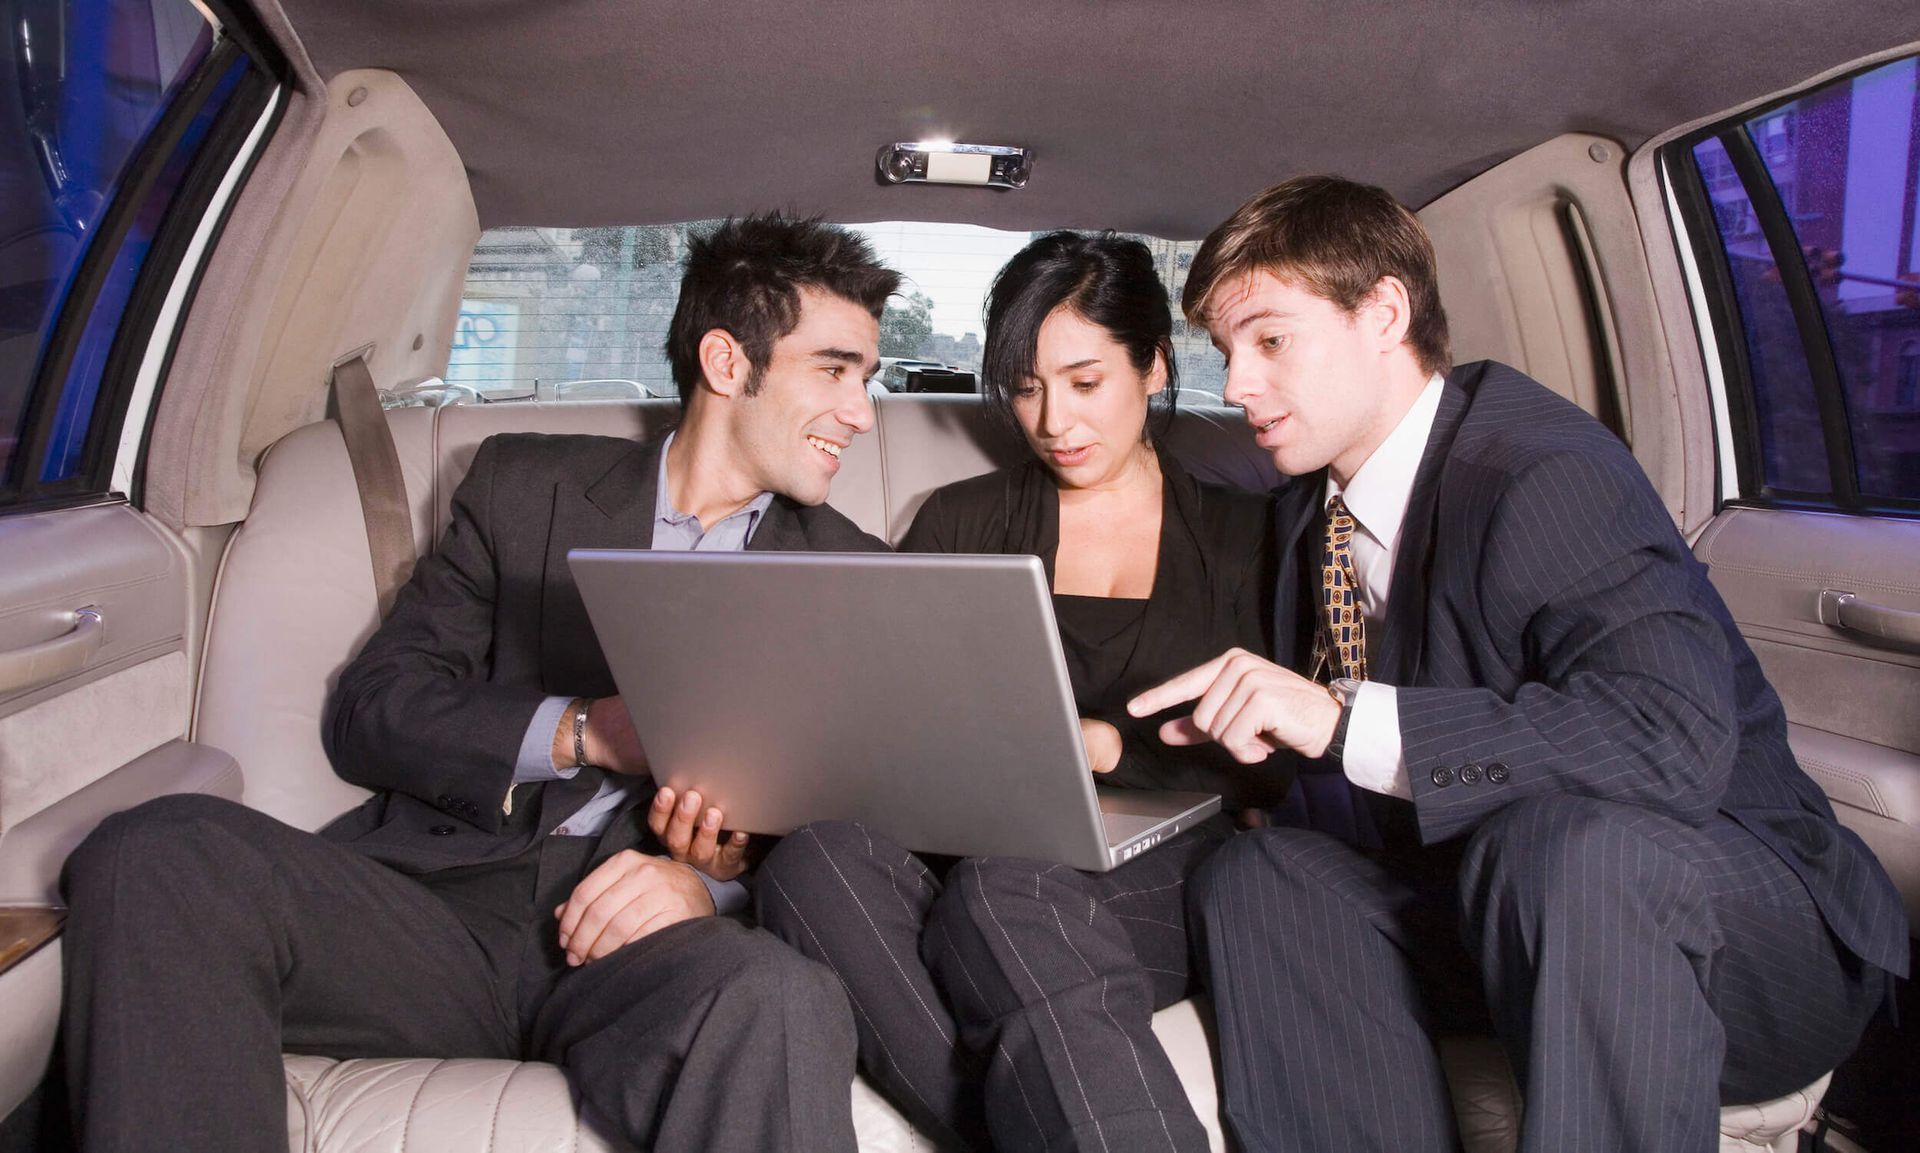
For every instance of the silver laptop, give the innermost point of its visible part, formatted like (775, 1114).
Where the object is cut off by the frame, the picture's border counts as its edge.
(925, 696)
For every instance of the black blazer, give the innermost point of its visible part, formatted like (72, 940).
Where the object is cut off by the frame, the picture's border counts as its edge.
(433, 710)
(1546, 618)
(1210, 593)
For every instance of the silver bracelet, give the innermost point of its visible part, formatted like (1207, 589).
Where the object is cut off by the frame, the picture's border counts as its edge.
(580, 705)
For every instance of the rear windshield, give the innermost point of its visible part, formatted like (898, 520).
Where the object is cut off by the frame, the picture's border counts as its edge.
(581, 313)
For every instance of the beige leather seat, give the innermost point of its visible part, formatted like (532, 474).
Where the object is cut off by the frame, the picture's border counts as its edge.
(295, 600)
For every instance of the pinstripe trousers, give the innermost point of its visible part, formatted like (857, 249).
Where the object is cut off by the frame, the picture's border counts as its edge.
(1010, 1002)
(1639, 971)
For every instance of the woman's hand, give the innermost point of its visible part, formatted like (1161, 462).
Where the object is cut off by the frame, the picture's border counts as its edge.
(1103, 744)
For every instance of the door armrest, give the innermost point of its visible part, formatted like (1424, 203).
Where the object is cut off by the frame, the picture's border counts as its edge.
(33, 851)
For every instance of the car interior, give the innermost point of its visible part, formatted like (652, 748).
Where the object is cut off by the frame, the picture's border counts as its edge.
(1699, 222)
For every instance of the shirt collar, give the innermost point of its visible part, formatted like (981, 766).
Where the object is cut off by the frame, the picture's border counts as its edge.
(665, 513)
(1379, 492)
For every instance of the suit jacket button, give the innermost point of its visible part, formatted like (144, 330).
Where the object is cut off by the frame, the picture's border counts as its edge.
(441, 830)
(1497, 773)
(1470, 774)
(1443, 776)
(443, 801)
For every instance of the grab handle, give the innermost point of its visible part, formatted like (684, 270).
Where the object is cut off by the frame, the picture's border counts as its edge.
(1896, 628)
(50, 660)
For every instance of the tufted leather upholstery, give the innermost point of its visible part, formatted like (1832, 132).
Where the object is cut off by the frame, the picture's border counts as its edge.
(392, 1106)
(295, 600)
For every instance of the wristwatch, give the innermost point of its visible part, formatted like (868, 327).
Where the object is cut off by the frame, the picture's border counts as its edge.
(579, 709)
(1343, 690)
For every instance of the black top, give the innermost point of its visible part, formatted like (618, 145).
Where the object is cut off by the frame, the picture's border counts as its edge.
(1098, 636)
(1212, 590)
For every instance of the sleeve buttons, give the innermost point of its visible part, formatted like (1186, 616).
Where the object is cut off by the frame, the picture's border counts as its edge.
(1442, 777)
(1470, 774)
(1497, 773)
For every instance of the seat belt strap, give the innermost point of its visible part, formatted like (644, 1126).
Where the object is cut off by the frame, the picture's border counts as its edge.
(376, 474)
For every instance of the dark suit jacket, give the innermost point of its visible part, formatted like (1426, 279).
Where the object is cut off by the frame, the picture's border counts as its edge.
(433, 710)
(1546, 618)
(1209, 594)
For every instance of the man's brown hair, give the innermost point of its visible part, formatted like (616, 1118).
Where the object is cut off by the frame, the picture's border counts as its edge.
(1336, 238)
(745, 277)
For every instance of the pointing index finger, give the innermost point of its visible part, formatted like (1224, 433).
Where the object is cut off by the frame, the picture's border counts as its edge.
(1188, 686)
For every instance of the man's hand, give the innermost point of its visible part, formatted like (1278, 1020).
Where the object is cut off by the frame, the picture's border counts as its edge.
(611, 742)
(609, 739)
(1103, 744)
(692, 836)
(628, 896)
(1249, 706)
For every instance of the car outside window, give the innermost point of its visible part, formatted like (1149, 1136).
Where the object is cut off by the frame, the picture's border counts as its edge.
(582, 313)
(116, 118)
(1804, 220)
(82, 86)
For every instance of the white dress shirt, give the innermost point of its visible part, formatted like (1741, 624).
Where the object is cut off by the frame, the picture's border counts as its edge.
(1377, 495)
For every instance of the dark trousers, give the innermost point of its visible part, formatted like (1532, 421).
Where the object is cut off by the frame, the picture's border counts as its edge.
(1010, 1002)
(206, 938)
(1638, 971)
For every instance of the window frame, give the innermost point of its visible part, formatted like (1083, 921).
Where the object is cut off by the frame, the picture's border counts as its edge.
(1679, 174)
(238, 39)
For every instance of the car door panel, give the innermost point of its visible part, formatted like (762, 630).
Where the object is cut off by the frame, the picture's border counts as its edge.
(88, 736)
(132, 693)
(1852, 702)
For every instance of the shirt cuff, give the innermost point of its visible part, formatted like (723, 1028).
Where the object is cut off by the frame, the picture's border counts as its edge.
(1373, 759)
(729, 897)
(535, 762)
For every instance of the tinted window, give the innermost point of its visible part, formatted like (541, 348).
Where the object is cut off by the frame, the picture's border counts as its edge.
(82, 86)
(1793, 450)
(1808, 215)
(1845, 162)
(581, 313)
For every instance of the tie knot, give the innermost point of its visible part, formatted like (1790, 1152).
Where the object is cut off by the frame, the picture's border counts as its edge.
(1340, 521)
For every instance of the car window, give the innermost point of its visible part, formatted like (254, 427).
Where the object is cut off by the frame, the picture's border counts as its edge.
(105, 105)
(582, 313)
(1806, 222)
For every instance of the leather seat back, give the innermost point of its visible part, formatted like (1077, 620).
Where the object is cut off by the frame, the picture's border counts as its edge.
(295, 598)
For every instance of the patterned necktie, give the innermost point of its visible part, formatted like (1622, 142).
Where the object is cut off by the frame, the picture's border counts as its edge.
(1341, 644)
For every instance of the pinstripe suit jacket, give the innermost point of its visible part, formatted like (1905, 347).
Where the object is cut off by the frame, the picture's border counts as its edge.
(1549, 630)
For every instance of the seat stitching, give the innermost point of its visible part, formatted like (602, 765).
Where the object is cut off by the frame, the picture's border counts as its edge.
(406, 1130)
(499, 1099)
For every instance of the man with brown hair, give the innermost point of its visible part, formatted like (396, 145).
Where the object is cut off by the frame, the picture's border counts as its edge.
(501, 894)
(1538, 734)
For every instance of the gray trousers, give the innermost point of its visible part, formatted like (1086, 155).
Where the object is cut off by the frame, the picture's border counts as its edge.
(1011, 1002)
(206, 938)
(1638, 971)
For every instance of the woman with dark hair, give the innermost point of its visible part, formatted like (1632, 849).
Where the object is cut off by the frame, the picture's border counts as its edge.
(1009, 1001)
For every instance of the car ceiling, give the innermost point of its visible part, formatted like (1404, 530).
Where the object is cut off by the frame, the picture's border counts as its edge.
(1151, 117)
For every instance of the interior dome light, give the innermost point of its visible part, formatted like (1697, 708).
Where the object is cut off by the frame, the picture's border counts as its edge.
(943, 162)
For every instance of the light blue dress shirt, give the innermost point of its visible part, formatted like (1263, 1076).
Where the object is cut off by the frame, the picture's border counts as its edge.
(673, 531)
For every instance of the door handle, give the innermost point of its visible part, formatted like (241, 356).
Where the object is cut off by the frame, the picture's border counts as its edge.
(1895, 628)
(51, 660)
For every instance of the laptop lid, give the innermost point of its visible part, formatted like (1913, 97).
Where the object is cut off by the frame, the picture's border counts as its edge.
(923, 695)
